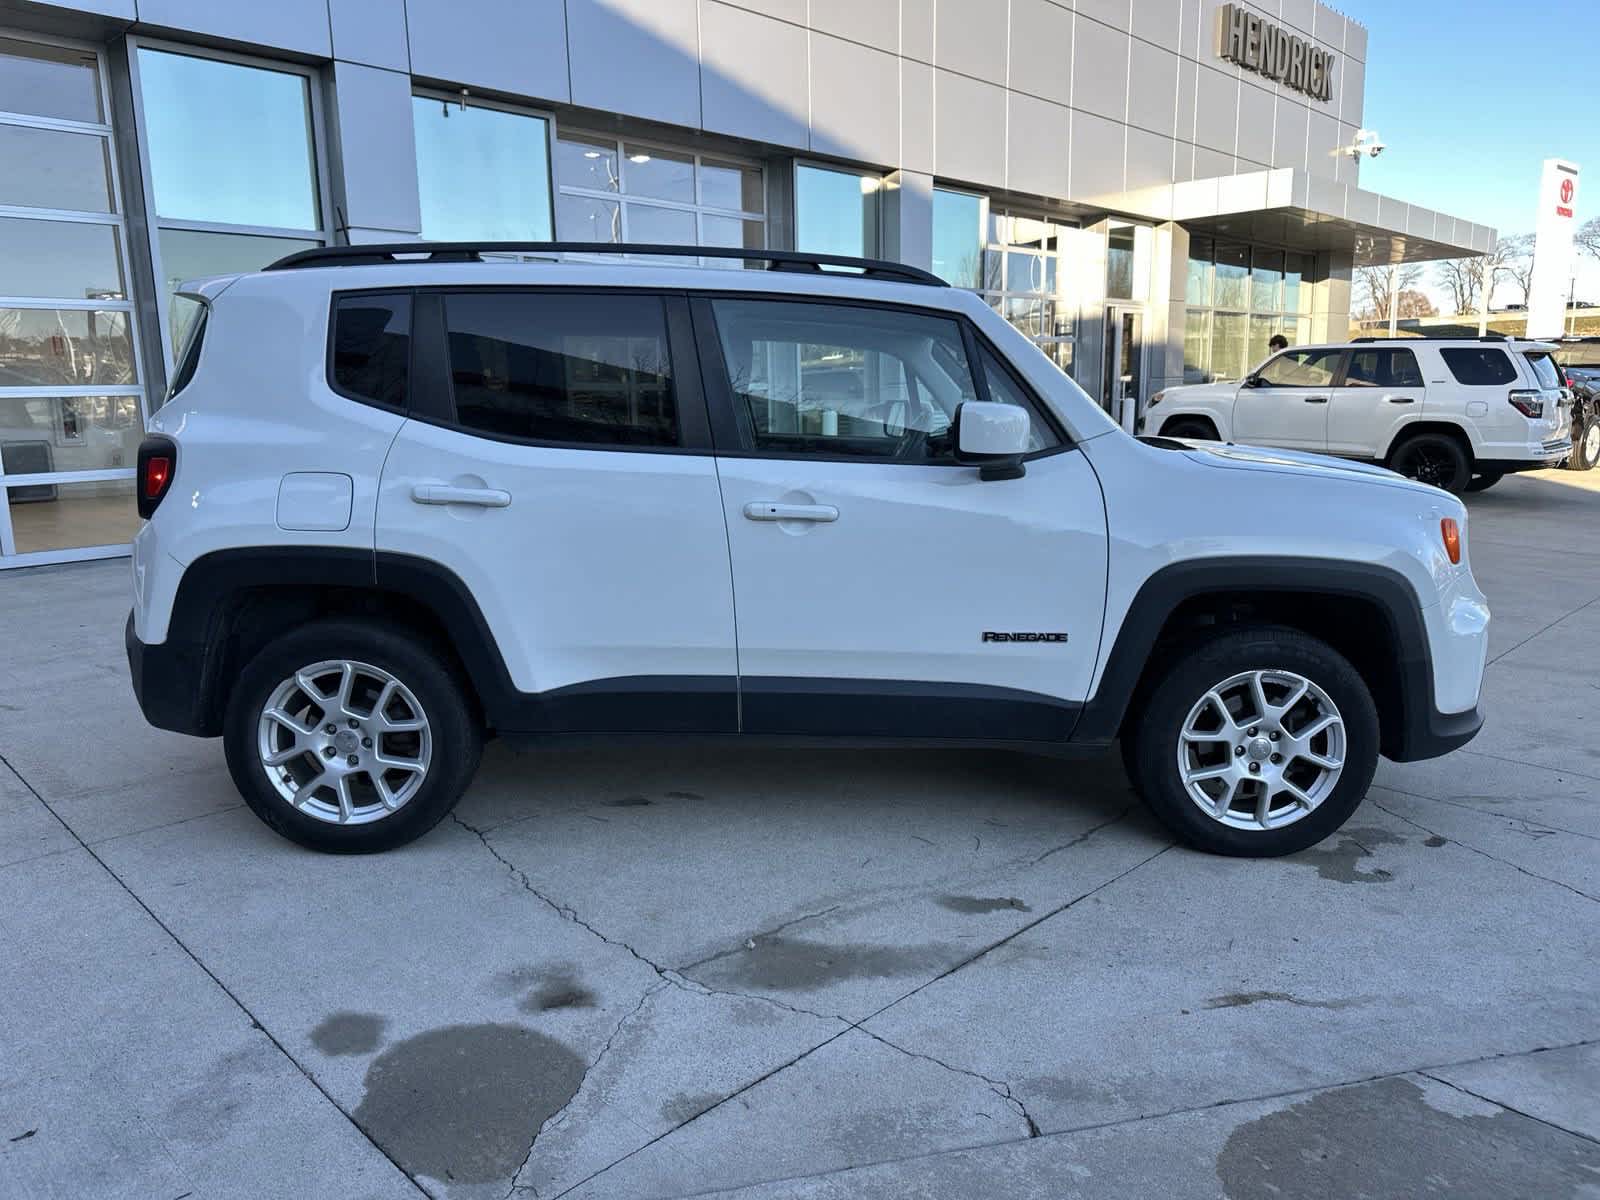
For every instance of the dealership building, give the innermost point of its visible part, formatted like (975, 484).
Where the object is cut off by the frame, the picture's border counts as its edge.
(1149, 189)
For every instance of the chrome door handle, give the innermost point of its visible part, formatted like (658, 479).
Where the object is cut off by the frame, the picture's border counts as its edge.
(1316, 399)
(444, 493)
(766, 510)
(1400, 399)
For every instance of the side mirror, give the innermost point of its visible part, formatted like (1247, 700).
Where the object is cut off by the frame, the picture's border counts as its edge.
(1252, 381)
(993, 437)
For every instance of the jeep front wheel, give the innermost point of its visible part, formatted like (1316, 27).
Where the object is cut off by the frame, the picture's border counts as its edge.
(350, 737)
(1256, 742)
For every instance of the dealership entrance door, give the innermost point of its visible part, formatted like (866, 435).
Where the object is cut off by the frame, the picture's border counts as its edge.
(1124, 366)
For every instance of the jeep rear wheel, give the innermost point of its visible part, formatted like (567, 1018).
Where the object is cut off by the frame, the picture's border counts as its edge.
(1256, 742)
(350, 737)
(1433, 458)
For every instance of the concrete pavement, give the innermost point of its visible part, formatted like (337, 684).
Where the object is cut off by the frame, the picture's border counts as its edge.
(657, 973)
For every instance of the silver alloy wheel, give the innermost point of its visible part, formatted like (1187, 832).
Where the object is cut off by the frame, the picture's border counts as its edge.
(344, 742)
(1261, 749)
(1591, 442)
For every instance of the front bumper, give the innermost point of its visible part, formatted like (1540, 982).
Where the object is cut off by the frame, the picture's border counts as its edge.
(1436, 734)
(167, 682)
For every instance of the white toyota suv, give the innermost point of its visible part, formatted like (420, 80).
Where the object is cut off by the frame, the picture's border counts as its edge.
(1459, 413)
(401, 498)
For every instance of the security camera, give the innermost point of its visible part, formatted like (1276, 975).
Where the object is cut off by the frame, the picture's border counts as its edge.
(1374, 149)
(1366, 142)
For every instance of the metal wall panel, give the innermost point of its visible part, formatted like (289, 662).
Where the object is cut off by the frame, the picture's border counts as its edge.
(637, 57)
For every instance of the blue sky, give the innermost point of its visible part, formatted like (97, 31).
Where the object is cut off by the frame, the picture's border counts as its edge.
(1472, 96)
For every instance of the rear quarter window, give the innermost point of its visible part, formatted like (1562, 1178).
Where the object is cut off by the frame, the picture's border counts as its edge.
(1544, 370)
(370, 351)
(1479, 366)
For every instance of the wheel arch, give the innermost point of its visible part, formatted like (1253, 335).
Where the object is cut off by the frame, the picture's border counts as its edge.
(1420, 425)
(1368, 613)
(1203, 417)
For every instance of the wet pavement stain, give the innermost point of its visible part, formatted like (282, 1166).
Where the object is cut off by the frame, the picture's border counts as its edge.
(796, 965)
(686, 1106)
(684, 796)
(561, 990)
(1338, 862)
(975, 905)
(464, 1102)
(1343, 1143)
(628, 802)
(1434, 842)
(348, 1033)
(1244, 999)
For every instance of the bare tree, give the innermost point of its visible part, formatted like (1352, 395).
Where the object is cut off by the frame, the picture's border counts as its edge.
(1412, 303)
(1519, 261)
(1460, 278)
(1373, 287)
(1587, 239)
(1492, 267)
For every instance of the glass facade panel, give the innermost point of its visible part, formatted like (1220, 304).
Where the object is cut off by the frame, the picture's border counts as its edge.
(482, 174)
(1262, 331)
(1274, 286)
(588, 163)
(1197, 345)
(1297, 284)
(53, 347)
(958, 238)
(731, 186)
(1266, 281)
(187, 254)
(1229, 345)
(49, 81)
(1025, 268)
(588, 219)
(1198, 288)
(229, 144)
(51, 168)
(658, 174)
(69, 260)
(1232, 286)
(663, 226)
(69, 433)
(730, 231)
(835, 212)
(1120, 245)
(72, 516)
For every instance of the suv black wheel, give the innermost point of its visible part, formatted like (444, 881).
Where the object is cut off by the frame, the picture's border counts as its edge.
(1256, 742)
(1481, 483)
(1585, 445)
(1190, 427)
(350, 737)
(1435, 458)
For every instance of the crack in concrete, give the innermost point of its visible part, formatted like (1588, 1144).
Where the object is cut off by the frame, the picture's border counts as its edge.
(1491, 857)
(212, 975)
(1491, 810)
(1542, 632)
(765, 933)
(1466, 1091)
(1084, 836)
(999, 1086)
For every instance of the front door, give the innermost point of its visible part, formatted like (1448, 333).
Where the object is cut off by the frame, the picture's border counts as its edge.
(1286, 402)
(1123, 380)
(879, 584)
(565, 477)
(1382, 389)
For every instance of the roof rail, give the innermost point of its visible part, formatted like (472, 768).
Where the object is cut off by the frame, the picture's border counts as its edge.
(776, 260)
(1421, 337)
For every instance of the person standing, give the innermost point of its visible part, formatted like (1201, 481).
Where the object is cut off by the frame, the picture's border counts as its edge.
(1277, 342)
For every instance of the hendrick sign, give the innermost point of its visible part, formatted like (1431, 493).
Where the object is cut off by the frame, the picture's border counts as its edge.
(1265, 47)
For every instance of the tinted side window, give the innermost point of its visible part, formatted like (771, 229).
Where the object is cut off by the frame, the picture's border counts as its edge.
(1544, 370)
(1301, 368)
(1383, 368)
(840, 380)
(563, 367)
(1479, 366)
(189, 360)
(1005, 390)
(372, 348)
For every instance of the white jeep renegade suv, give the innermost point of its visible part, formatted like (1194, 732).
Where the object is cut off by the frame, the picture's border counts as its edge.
(1459, 413)
(401, 498)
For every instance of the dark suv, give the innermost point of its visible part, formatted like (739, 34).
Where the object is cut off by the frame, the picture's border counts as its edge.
(1579, 360)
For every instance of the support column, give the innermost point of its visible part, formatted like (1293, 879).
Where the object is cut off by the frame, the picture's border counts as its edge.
(372, 155)
(906, 212)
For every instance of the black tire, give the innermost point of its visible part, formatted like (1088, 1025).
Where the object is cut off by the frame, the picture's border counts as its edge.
(1151, 737)
(1482, 483)
(1195, 428)
(1585, 446)
(1435, 458)
(455, 734)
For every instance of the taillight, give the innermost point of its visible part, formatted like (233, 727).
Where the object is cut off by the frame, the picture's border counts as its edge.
(1527, 402)
(1450, 532)
(158, 463)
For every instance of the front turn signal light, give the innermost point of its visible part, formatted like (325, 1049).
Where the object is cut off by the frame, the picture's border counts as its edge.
(1450, 532)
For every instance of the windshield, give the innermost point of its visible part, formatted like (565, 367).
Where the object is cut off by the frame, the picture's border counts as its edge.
(1581, 354)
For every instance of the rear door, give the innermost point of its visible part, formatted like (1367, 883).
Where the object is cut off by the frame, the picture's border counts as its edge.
(882, 588)
(1286, 402)
(1382, 389)
(557, 462)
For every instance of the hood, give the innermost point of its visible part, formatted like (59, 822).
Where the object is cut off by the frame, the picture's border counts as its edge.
(1220, 387)
(1295, 462)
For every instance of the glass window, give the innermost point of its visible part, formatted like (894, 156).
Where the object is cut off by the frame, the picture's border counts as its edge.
(70, 516)
(70, 260)
(49, 81)
(372, 348)
(1479, 366)
(229, 144)
(588, 219)
(835, 212)
(1003, 389)
(50, 168)
(844, 380)
(69, 433)
(1544, 370)
(589, 163)
(958, 238)
(189, 254)
(74, 347)
(1297, 284)
(189, 332)
(730, 185)
(1198, 287)
(1120, 245)
(1301, 368)
(1233, 276)
(1266, 281)
(482, 174)
(552, 367)
(661, 226)
(730, 231)
(1229, 345)
(659, 174)
(1197, 346)
(1383, 367)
